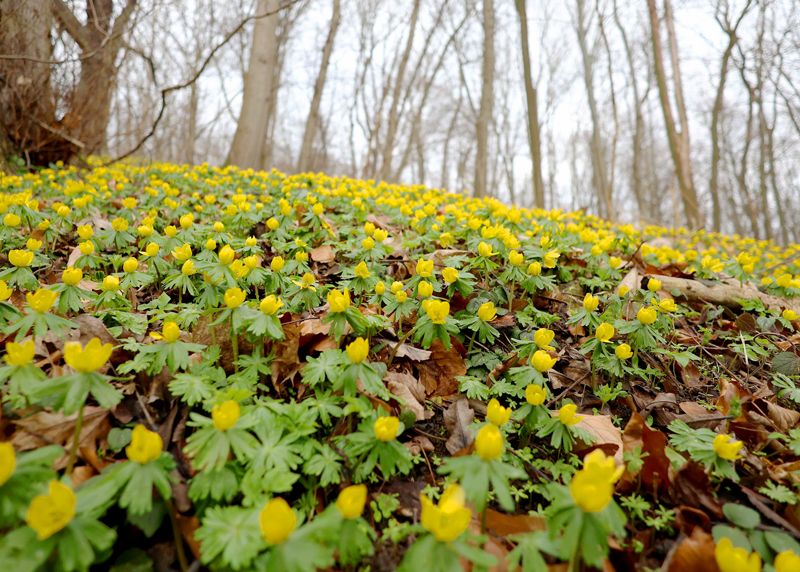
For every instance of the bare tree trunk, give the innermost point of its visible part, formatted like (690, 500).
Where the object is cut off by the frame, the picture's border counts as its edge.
(487, 98)
(306, 160)
(531, 99)
(678, 140)
(599, 172)
(251, 127)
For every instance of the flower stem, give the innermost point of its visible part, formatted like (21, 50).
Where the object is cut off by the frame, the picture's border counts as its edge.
(76, 439)
(176, 533)
(235, 348)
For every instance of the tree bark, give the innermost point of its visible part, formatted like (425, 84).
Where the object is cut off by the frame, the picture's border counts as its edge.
(531, 100)
(306, 160)
(251, 127)
(487, 100)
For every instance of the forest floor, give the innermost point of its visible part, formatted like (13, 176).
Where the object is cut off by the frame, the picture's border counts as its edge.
(227, 369)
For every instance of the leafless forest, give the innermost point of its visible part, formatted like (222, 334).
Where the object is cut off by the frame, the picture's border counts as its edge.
(674, 112)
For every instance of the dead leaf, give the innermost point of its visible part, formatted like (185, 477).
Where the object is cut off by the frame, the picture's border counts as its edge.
(90, 327)
(783, 418)
(691, 375)
(501, 524)
(312, 327)
(695, 552)
(655, 471)
(410, 352)
(410, 392)
(439, 373)
(607, 436)
(323, 254)
(457, 419)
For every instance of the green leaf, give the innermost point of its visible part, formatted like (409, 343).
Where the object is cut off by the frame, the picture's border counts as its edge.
(741, 516)
(738, 537)
(119, 438)
(786, 363)
(232, 534)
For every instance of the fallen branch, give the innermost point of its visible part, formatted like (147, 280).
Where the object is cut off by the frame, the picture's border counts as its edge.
(720, 293)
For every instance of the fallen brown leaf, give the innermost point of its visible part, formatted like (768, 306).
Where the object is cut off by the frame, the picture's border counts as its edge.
(607, 436)
(439, 373)
(410, 392)
(695, 552)
(457, 418)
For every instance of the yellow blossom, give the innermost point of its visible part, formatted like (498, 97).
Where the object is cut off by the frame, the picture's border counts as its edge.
(647, 315)
(188, 268)
(12, 220)
(20, 258)
(42, 300)
(786, 561)
(732, 558)
(111, 283)
(351, 501)
(497, 414)
(339, 300)
(170, 332)
(5, 291)
(726, 447)
(543, 337)
(145, 445)
(424, 289)
(277, 264)
(277, 521)
(270, 305)
(87, 358)
(380, 288)
(234, 297)
(450, 518)
(535, 394)
(226, 255)
(450, 275)
(368, 243)
(21, 354)
(485, 250)
(436, 310)
(225, 415)
(8, 462)
(361, 270)
(542, 361)
(590, 302)
(50, 513)
(487, 312)
(516, 258)
(623, 351)
(151, 249)
(182, 253)
(386, 428)
(654, 284)
(592, 488)
(789, 314)
(605, 332)
(119, 224)
(535, 268)
(551, 258)
(489, 443)
(425, 268)
(358, 350)
(33, 244)
(567, 414)
(130, 265)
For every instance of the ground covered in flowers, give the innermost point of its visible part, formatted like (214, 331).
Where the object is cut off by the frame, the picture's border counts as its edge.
(210, 368)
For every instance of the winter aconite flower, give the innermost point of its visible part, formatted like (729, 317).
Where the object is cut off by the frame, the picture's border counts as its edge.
(225, 415)
(19, 354)
(497, 414)
(20, 258)
(485, 250)
(786, 561)
(425, 289)
(351, 501)
(732, 558)
(50, 513)
(790, 315)
(450, 518)
(5, 291)
(568, 416)
(436, 310)
(726, 447)
(647, 315)
(8, 462)
(425, 268)
(111, 283)
(654, 284)
(226, 255)
(339, 301)
(89, 358)
(543, 337)
(170, 332)
(130, 265)
(386, 428)
(623, 351)
(450, 275)
(145, 445)
(535, 394)
(188, 268)
(361, 270)
(592, 488)
(516, 258)
(487, 312)
(590, 302)
(604, 332)
(489, 443)
(270, 305)
(358, 350)
(277, 521)
(542, 361)
(277, 264)
(665, 305)
(234, 297)
(549, 260)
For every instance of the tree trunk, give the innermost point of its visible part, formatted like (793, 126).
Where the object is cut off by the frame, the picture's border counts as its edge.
(251, 127)
(531, 99)
(678, 140)
(306, 159)
(487, 98)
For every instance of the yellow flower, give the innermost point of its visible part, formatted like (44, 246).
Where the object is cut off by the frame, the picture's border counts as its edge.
(111, 283)
(63, 211)
(380, 235)
(592, 488)
(542, 361)
(182, 252)
(450, 275)
(732, 558)
(542, 338)
(218, 226)
(33, 244)
(88, 358)
(358, 350)
(171, 231)
(338, 300)
(129, 202)
(386, 428)
(786, 561)
(424, 289)
(605, 332)
(446, 239)
(20, 258)
(623, 351)
(368, 243)
(144, 230)
(436, 310)
(277, 264)
(380, 288)
(351, 501)
(489, 443)
(535, 268)
(516, 258)
(654, 284)
(225, 415)
(361, 270)
(614, 262)
(170, 332)
(8, 462)
(497, 414)
(726, 447)
(301, 256)
(211, 244)
(307, 281)
(130, 265)
(188, 268)
(450, 518)
(270, 305)
(790, 315)
(277, 521)
(425, 268)
(86, 247)
(396, 286)
(549, 260)
(487, 312)
(19, 354)
(401, 296)
(119, 224)
(622, 290)
(5, 291)
(485, 250)
(42, 300)
(44, 225)
(252, 262)
(234, 297)
(226, 255)
(665, 305)
(50, 513)
(186, 220)
(273, 223)
(590, 302)
(12, 220)
(145, 445)
(567, 414)
(535, 394)
(647, 315)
